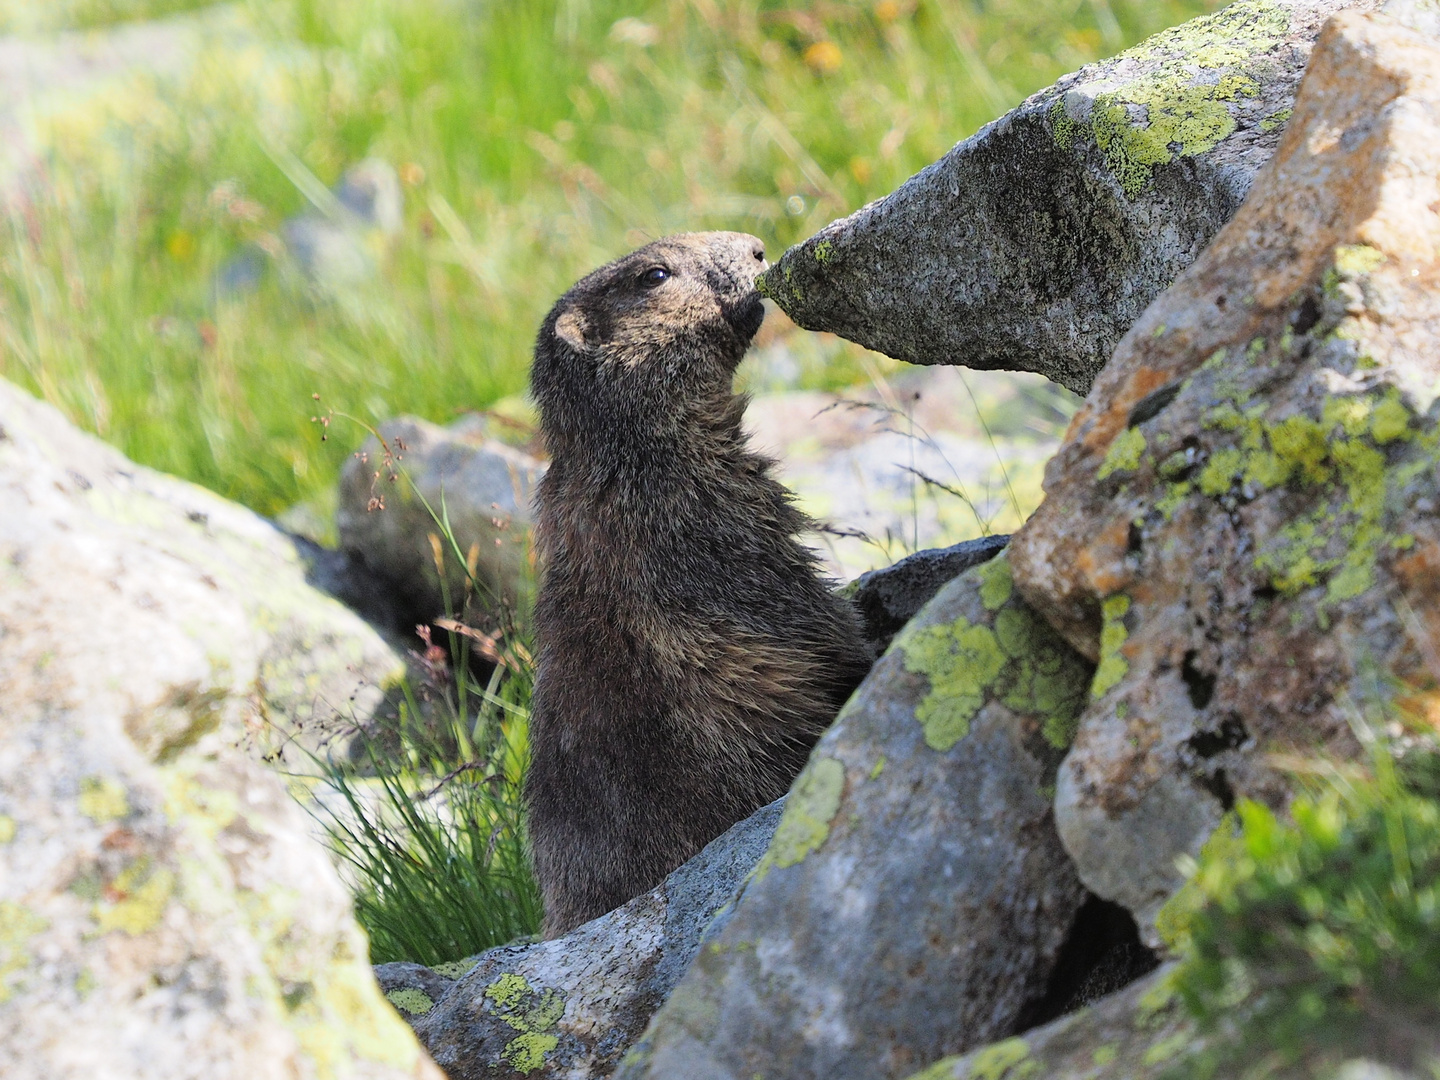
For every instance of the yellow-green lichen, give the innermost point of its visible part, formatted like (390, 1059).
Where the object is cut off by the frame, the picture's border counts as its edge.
(1124, 453)
(1008, 1060)
(1352, 260)
(7, 828)
(453, 969)
(532, 1013)
(136, 899)
(1113, 667)
(1275, 120)
(961, 660)
(1044, 678)
(823, 250)
(805, 823)
(102, 799)
(879, 768)
(996, 582)
(1166, 1048)
(1063, 129)
(1182, 99)
(1335, 541)
(18, 927)
(1104, 1055)
(410, 1001)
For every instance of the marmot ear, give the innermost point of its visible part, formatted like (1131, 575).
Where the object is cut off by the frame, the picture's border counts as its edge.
(576, 331)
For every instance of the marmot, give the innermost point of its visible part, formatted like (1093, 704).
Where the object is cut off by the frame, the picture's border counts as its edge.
(690, 652)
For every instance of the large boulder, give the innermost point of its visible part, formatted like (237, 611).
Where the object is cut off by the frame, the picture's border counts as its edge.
(391, 496)
(572, 1006)
(164, 909)
(1034, 244)
(915, 896)
(1243, 525)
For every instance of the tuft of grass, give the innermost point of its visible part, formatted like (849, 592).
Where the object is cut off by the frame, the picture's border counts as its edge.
(430, 827)
(1317, 939)
(649, 118)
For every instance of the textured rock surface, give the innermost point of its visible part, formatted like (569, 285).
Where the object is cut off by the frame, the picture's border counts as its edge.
(149, 586)
(1242, 524)
(915, 895)
(1034, 245)
(164, 910)
(1134, 1034)
(570, 1007)
(485, 488)
(889, 598)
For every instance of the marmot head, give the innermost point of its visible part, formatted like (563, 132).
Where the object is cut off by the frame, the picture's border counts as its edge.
(650, 333)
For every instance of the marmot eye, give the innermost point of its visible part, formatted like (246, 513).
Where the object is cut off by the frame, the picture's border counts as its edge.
(654, 276)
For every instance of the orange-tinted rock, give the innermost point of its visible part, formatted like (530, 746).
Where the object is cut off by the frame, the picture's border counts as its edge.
(1241, 524)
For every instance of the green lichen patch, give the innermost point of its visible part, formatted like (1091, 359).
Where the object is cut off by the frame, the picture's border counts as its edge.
(1124, 453)
(135, 901)
(1008, 1060)
(18, 927)
(1276, 120)
(996, 583)
(1045, 678)
(823, 251)
(1016, 660)
(453, 969)
(1113, 665)
(961, 660)
(533, 1013)
(1182, 105)
(805, 824)
(1342, 457)
(102, 799)
(410, 1001)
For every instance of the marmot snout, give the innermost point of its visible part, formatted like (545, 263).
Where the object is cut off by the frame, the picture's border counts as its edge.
(689, 651)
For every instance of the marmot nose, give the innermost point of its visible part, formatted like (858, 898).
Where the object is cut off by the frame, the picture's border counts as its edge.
(758, 250)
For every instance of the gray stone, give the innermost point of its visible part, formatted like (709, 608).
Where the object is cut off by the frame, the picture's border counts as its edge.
(1034, 244)
(572, 1006)
(165, 910)
(1134, 1034)
(483, 487)
(340, 243)
(889, 598)
(916, 894)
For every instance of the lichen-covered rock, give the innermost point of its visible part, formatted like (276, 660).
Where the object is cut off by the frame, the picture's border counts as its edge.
(170, 600)
(915, 895)
(1243, 526)
(572, 1006)
(890, 597)
(1134, 1034)
(483, 487)
(164, 909)
(1033, 245)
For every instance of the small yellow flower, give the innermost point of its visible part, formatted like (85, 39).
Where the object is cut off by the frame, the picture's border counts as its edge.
(823, 57)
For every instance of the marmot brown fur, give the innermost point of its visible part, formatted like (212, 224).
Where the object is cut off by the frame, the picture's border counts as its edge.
(689, 651)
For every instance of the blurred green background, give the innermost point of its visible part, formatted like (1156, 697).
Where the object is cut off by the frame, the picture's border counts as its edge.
(532, 140)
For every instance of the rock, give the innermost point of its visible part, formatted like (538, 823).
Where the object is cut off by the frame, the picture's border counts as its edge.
(168, 585)
(1242, 523)
(341, 242)
(1034, 244)
(164, 908)
(890, 597)
(572, 1006)
(1135, 1034)
(915, 896)
(484, 487)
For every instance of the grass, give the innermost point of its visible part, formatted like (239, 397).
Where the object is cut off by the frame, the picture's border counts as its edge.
(1313, 939)
(430, 827)
(649, 118)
